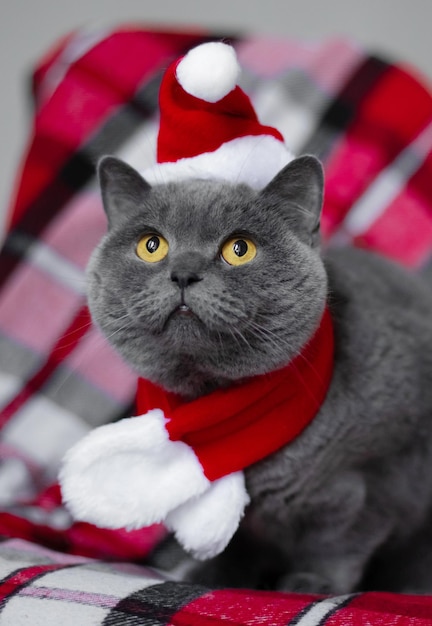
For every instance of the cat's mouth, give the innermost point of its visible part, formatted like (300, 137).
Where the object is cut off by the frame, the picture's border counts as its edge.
(182, 311)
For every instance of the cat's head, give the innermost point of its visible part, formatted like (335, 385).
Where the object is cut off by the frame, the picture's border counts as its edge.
(200, 283)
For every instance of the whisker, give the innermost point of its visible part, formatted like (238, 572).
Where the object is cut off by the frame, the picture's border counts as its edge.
(118, 319)
(73, 332)
(237, 334)
(262, 332)
(101, 340)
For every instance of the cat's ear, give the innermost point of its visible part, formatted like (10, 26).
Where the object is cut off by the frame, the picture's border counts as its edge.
(122, 188)
(298, 191)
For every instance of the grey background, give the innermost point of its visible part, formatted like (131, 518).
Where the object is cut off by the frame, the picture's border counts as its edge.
(400, 29)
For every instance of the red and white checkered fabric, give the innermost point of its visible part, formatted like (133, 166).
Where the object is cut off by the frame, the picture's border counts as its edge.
(368, 120)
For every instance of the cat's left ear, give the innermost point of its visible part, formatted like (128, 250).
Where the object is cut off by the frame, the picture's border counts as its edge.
(122, 187)
(298, 191)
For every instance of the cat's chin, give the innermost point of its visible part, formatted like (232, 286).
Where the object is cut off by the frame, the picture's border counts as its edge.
(185, 331)
(185, 375)
(185, 319)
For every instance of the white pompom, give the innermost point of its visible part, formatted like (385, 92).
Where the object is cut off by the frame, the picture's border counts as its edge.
(205, 524)
(209, 71)
(130, 473)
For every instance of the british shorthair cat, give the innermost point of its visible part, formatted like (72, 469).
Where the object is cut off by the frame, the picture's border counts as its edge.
(200, 284)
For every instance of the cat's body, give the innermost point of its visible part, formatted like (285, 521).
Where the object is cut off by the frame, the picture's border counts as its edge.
(360, 476)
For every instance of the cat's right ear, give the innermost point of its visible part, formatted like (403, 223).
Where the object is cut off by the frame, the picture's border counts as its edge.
(122, 188)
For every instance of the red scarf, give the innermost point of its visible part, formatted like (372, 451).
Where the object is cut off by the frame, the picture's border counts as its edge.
(235, 427)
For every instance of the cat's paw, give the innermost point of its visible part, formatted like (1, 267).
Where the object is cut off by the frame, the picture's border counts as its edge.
(130, 474)
(305, 582)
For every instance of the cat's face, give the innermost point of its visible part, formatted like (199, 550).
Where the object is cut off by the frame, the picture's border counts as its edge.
(197, 283)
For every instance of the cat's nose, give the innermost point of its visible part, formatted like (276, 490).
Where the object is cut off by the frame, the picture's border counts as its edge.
(184, 278)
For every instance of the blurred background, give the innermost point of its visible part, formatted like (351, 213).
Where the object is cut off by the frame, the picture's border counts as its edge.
(398, 29)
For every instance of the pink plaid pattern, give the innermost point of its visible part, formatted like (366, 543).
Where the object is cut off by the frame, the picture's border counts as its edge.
(96, 93)
(384, 156)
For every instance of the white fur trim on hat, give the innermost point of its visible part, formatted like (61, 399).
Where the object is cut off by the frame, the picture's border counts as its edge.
(205, 525)
(253, 160)
(209, 71)
(129, 474)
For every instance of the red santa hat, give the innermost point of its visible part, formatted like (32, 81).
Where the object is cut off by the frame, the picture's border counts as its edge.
(208, 126)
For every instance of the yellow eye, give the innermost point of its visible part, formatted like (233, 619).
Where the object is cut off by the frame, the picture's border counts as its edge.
(152, 248)
(238, 251)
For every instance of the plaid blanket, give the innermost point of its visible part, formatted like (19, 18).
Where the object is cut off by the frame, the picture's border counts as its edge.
(369, 120)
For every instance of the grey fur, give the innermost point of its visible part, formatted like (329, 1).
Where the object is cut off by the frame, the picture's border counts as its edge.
(251, 318)
(359, 479)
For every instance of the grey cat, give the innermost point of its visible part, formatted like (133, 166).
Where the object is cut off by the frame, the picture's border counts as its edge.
(357, 482)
